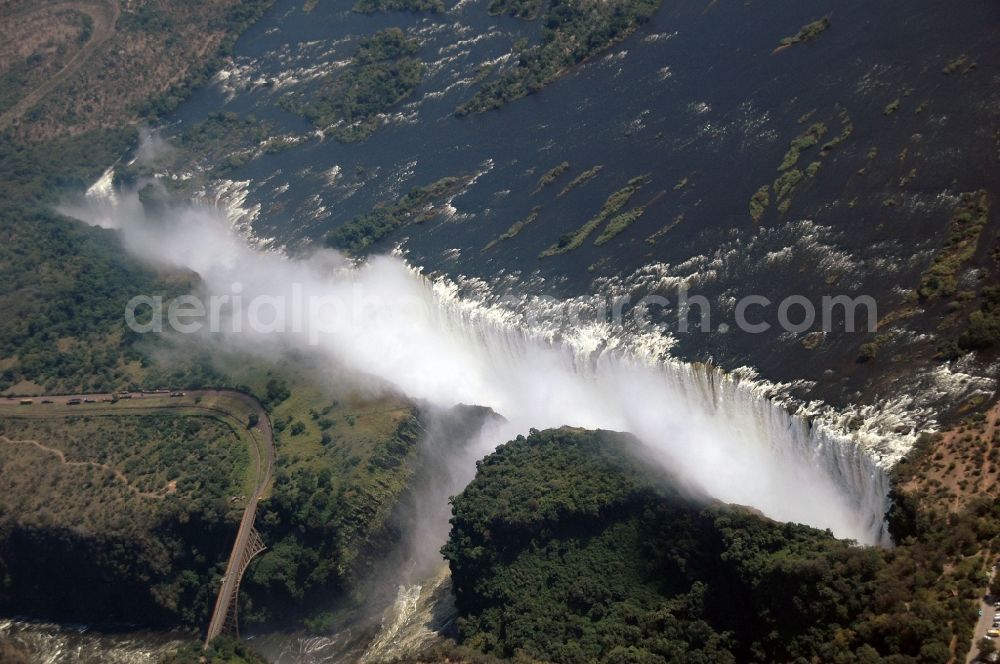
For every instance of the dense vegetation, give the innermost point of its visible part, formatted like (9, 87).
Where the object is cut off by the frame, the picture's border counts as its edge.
(807, 32)
(551, 175)
(382, 72)
(514, 229)
(220, 138)
(66, 286)
(153, 57)
(802, 142)
(759, 202)
(619, 224)
(526, 9)
(567, 549)
(580, 179)
(324, 517)
(786, 184)
(420, 204)
(968, 310)
(960, 244)
(373, 6)
(983, 329)
(962, 63)
(223, 650)
(573, 31)
(614, 203)
(145, 546)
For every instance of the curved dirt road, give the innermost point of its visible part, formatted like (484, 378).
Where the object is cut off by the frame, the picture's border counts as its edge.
(232, 406)
(119, 475)
(104, 14)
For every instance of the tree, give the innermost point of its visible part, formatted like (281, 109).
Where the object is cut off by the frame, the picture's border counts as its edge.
(276, 391)
(986, 647)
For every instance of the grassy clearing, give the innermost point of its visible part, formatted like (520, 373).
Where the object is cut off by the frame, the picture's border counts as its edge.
(172, 456)
(141, 63)
(92, 429)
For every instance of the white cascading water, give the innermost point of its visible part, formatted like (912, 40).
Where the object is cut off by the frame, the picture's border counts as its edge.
(724, 432)
(396, 619)
(48, 643)
(721, 432)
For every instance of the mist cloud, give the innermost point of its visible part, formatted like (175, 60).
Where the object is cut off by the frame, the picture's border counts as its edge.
(384, 319)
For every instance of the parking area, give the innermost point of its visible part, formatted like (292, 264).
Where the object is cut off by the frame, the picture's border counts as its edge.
(988, 626)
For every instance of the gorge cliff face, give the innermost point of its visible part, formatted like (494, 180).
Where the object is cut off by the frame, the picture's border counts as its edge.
(567, 548)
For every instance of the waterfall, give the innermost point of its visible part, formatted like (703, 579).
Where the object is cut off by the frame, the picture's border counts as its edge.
(727, 433)
(539, 363)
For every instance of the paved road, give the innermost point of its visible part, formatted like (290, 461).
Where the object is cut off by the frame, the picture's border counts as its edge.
(217, 402)
(985, 621)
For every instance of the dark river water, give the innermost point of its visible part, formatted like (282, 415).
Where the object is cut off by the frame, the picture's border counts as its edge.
(696, 100)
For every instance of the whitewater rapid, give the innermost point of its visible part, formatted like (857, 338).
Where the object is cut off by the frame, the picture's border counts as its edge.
(48, 643)
(727, 434)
